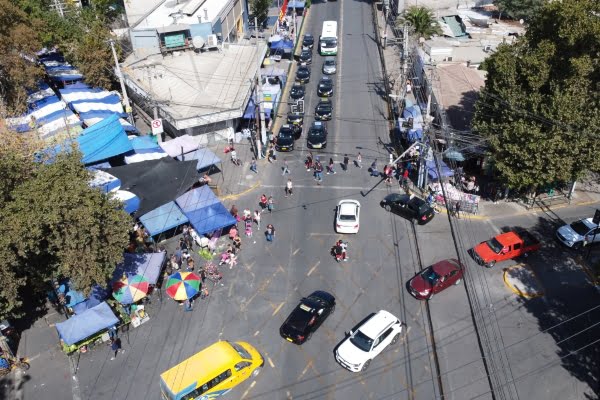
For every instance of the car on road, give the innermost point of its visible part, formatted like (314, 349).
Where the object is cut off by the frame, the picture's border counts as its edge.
(435, 278)
(296, 120)
(305, 57)
(329, 66)
(308, 41)
(303, 74)
(307, 317)
(408, 206)
(285, 139)
(324, 110)
(347, 218)
(361, 346)
(505, 246)
(575, 234)
(317, 136)
(297, 91)
(325, 88)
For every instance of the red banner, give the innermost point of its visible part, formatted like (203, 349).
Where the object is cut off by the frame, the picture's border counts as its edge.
(283, 10)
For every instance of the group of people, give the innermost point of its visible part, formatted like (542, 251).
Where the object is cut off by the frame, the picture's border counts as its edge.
(391, 171)
(250, 218)
(316, 165)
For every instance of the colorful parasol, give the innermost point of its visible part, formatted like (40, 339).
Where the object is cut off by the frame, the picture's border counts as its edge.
(131, 289)
(183, 285)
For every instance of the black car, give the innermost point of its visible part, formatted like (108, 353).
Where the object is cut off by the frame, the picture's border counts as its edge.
(408, 206)
(295, 120)
(307, 317)
(297, 91)
(308, 41)
(285, 139)
(305, 57)
(323, 110)
(303, 74)
(317, 136)
(325, 88)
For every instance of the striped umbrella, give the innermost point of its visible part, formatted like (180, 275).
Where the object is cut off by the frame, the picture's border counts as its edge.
(183, 285)
(131, 289)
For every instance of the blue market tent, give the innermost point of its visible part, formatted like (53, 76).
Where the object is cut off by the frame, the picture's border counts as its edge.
(204, 210)
(163, 218)
(146, 264)
(103, 140)
(204, 156)
(144, 144)
(86, 324)
(250, 112)
(432, 170)
(97, 296)
(282, 44)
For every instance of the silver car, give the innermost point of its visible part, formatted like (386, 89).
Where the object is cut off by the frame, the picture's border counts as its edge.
(575, 234)
(329, 66)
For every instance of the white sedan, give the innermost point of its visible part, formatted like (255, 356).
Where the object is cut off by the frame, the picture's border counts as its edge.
(347, 219)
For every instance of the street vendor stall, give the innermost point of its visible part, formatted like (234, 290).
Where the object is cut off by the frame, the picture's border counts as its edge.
(468, 202)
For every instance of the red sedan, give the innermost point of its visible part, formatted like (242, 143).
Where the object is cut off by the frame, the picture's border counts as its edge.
(435, 278)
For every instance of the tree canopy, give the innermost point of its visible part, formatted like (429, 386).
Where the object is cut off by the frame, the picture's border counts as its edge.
(422, 20)
(519, 9)
(540, 107)
(260, 10)
(53, 224)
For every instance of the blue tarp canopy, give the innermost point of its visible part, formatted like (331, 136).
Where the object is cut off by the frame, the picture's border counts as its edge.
(282, 44)
(97, 296)
(163, 218)
(204, 210)
(145, 144)
(103, 140)
(204, 156)
(250, 112)
(432, 170)
(146, 264)
(296, 4)
(86, 324)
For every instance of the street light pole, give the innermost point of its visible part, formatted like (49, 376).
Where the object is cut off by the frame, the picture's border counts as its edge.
(261, 110)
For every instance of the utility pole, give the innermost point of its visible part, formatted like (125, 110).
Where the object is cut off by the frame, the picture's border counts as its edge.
(423, 175)
(294, 22)
(405, 52)
(260, 102)
(120, 76)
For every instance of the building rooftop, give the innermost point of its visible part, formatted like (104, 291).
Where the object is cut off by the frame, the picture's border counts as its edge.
(197, 88)
(144, 14)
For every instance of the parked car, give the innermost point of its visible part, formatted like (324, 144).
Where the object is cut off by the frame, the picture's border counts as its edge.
(325, 88)
(347, 218)
(296, 120)
(368, 341)
(303, 74)
(505, 246)
(297, 91)
(316, 137)
(435, 278)
(308, 41)
(285, 139)
(408, 206)
(305, 57)
(324, 110)
(582, 231)
(329, 66)
(307, 317)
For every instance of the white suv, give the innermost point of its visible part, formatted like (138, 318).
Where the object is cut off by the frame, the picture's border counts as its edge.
(361, 346)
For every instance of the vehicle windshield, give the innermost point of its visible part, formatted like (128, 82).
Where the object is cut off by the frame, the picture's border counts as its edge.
(495, 245)
(362, 341)
(324, 107)
(317, 133)
(325, 85)
(303, 72)
(424, 209)
(346, 217)
(580, 228)
(329, 63)
(329, 42)
(430, 276)
(241, 351)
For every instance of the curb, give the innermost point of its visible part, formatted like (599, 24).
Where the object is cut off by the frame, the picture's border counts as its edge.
(515, 290)
(588, 270)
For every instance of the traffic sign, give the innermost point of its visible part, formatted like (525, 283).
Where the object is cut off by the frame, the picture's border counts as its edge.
(157, 126)
(596, 219)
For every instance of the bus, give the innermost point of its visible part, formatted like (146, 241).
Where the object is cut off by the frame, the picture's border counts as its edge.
(328, 42)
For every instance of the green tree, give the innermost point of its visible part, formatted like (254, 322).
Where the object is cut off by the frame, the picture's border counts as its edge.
(422, 21)
(519, 9)
(53, 225)
(260, 10)
(540, 108)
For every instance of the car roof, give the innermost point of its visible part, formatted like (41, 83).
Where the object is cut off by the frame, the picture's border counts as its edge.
(322, 295)
(308, 35)
(317, 124)
(324, 103)
(417, 201)
(397, 196)
(326, 79)
(589, 222)
(330, 59)
(348, 209)
(445, 266)
(378, 323)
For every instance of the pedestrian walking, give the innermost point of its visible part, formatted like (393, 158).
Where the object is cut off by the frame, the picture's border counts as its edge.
(286, 169)
(318, 172)
(330, 167)
(188, 305)
(405, 177)
(309, 161)
(289, 188)
(270, 232)
(253, 166)
(391, 159)
(237, 244)
(263, 202)
(270, 204)
(115, 345)
(374, 171)
(359, 160)
(190, 264)
(234, 212)
(202, 275)
(346, 162)
(457, 209)
(247, 213)
(269, 153)
(234, 158)
(257, 218)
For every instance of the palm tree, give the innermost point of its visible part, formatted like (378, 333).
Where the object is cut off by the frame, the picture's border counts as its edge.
(422, 21)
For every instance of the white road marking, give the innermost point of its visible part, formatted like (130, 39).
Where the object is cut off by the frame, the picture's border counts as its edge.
(313, 268)
(248, 390)
(325, 186)
(256, 333)
(270, 362)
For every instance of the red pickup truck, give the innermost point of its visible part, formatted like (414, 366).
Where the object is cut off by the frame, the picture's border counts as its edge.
(505, 246)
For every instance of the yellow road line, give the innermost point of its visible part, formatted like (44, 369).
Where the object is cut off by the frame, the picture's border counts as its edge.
(236, 195)
(278, 308)
(515, 289)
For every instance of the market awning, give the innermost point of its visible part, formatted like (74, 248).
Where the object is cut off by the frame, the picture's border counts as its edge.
(86, 324)
(163, 218)
(432, 170)
(204, 156)
(103, 140)
(182, 144)
(204, 210)
(148, 265)
(97, 296)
